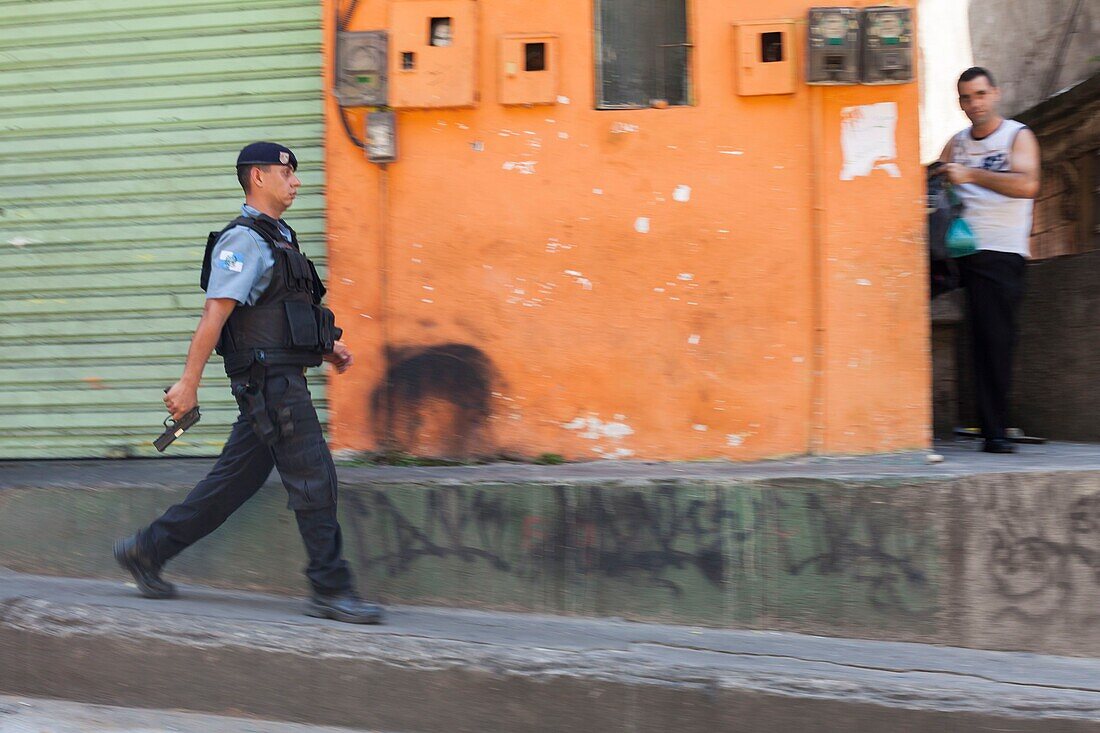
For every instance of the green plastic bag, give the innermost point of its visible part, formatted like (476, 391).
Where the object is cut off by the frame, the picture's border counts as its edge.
(960, 239)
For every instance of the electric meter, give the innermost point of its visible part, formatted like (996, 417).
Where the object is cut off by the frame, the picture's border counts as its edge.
(887, 45)
(834, 37)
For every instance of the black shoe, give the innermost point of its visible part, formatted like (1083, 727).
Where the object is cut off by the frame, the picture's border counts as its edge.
(346, 607)
(998, 445)
(146, 573)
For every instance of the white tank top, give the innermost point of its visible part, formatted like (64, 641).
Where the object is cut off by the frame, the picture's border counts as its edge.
(1000, 223)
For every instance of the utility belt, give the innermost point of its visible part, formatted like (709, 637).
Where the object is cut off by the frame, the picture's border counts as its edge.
(268, 424)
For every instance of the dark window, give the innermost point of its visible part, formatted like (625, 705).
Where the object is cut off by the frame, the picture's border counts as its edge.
(408, 60)
(643, 53)
(771, 47)
(439, 32)
(535, 56)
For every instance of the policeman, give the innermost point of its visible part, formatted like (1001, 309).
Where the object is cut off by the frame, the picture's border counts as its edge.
(263, 314)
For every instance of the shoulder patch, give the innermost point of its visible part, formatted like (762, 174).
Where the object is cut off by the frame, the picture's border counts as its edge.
(230, 261)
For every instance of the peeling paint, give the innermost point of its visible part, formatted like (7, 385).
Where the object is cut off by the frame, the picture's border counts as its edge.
(641, 225)
(732, 152)
(863, 281)
(615, 454)
(525, 167)
(685, 276)
(736, 440)
(622, 128)
(22, 241)
(598, 191)
(563, 135)
(693, 339)
(682, 194)
(554, 245)
(478, 146)
(593, 428)
(563, 99)
(579, 278)
(699, 428)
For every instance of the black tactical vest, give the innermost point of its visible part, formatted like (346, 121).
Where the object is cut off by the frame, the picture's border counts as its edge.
(287, 325)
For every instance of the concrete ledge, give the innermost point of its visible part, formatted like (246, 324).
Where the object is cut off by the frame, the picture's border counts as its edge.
(459, 671)
(888, 548)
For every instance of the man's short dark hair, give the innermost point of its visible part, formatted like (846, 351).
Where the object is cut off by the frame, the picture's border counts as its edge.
(975, 72)
(244, 175)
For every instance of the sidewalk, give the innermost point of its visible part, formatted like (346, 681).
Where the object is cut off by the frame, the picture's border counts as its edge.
(458, 671)
(38, 715)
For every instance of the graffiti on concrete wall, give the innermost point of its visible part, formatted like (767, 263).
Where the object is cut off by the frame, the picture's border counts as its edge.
(1044, 555)
(468, 524)
(862, 539)
(668, 537)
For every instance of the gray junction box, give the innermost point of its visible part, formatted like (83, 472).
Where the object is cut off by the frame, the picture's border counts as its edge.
(887, 45)
(834, 40)
(362, 68)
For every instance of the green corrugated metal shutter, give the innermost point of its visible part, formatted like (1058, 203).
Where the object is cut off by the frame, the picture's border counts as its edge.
(119, 124)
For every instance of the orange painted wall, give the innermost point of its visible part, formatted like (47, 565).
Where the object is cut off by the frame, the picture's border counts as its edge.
(694, 340)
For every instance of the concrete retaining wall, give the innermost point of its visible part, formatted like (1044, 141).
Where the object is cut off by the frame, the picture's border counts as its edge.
(989, 561)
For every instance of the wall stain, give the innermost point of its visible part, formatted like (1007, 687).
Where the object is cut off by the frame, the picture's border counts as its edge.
(449, 382)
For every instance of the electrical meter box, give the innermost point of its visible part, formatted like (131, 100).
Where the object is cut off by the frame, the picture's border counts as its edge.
(765, 59)
(381, 137)
(834, 46)
(887, 45)
(362, 60)
(529, 69)
(433, 44)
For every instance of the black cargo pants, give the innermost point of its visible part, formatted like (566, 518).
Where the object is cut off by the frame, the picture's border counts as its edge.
(995, 283)
(305, 466)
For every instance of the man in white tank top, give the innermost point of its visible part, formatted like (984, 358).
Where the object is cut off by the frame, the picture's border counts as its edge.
(994, 167)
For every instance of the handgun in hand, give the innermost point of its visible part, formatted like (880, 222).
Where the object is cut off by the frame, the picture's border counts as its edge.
(175, 428)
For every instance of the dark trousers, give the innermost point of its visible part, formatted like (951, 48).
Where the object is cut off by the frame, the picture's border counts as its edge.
(305, 467)
(994, 283)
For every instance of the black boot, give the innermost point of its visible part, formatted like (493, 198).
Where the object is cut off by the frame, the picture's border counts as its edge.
(346, 607)
(998, 445)
(146, 573)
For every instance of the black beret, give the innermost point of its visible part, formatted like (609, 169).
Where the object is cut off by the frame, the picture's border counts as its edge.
(267, 154)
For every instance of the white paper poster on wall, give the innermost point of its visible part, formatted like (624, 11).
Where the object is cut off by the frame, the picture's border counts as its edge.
(868, 139)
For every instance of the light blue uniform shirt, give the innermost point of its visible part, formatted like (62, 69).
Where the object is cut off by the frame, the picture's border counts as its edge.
(242, 263)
